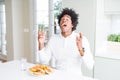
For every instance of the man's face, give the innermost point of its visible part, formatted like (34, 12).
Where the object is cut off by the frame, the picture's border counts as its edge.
(66, 23)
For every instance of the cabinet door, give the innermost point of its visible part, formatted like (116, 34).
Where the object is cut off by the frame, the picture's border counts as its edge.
(112, 6)
(107, 69)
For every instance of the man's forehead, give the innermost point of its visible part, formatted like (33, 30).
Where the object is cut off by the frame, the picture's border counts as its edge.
(66, 15)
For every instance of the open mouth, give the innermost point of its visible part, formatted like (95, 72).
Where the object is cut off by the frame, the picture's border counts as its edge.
(64, 25)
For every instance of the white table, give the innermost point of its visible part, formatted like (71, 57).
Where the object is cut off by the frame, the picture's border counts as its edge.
(12, 71)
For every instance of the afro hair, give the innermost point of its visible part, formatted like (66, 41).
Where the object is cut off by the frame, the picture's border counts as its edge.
(72, 14)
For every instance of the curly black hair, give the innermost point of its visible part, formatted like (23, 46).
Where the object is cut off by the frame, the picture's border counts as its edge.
(72, 14)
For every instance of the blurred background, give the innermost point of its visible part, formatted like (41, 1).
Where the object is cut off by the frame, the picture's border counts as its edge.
(99, 21)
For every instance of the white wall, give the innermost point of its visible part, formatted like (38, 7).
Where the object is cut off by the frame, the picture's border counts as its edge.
(86, 10)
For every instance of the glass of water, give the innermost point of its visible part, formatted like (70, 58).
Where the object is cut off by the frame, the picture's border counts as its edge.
(23, 64)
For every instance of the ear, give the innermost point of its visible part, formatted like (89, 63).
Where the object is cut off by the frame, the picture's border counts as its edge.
(72, 25)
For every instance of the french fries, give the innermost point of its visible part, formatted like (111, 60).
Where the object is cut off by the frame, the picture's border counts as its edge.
(40, 69)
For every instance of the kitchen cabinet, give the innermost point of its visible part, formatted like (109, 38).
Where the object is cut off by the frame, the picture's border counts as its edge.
(107, 68)
(112, 6)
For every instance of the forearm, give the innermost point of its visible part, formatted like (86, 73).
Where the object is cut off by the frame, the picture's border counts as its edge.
(41, 46)
(44, 55)
(88, 59)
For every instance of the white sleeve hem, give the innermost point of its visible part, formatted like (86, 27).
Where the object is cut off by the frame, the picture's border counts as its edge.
(89, 62)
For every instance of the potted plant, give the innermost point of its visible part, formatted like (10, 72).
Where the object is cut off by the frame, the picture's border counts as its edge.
(113, 42)
(114, 37)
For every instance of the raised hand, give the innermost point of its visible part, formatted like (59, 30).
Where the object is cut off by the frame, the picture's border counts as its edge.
(41, 39)
(79, 43)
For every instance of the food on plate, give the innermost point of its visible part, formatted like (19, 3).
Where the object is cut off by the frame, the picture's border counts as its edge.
(40, 69)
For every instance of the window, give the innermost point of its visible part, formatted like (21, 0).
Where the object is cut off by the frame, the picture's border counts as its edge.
(45, 14)
(2, 29)
(57, 9)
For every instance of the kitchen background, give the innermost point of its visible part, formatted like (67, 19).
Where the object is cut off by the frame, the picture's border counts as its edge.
(19, 21)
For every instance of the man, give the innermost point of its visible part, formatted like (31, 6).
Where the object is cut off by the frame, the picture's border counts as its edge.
(68, 49)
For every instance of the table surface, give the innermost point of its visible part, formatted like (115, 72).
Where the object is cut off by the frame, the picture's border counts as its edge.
(12, 71)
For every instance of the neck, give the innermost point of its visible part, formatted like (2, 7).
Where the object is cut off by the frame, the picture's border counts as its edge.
(65, 34)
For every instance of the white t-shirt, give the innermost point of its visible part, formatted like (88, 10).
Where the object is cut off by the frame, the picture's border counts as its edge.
(62, 53)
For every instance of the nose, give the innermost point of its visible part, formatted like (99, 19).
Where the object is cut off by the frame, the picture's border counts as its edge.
(64, 20)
